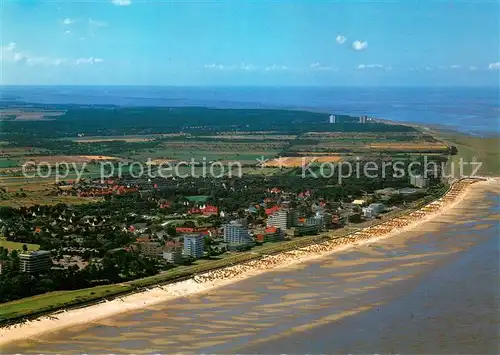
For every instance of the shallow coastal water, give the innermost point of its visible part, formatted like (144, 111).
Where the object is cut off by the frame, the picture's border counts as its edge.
(469, 110)
(430, 291)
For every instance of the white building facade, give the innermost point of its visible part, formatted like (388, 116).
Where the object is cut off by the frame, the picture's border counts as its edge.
(194, 245)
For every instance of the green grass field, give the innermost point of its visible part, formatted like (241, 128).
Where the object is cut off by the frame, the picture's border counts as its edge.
(16, 246)
(54, 300)
(8, 163)
(470, 148)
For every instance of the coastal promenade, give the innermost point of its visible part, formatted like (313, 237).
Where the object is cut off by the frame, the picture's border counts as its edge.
(216, 278)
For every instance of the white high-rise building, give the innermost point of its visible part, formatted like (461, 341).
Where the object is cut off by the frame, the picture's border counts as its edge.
(37, 261)
(333, 119)
(194, 245)
(419, 181)
(236, 233)
(281, 219)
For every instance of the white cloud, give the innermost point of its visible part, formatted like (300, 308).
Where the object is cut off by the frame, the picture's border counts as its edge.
(94, 26)
(494, 66)
(450, 67)
(359, 45)
(214, 66)
(44, 61)
(97, 24)
(68, 21)
(428, 68)
(10, 53)
(247, 67)
(67, 32)
(241, 67)
(275, 67)
(372, 66)
(60, 61)
(121, 2)
(89, 61)
(19, 57)
(340, 39)
(473, 68)
(10, 47)
(318, 66)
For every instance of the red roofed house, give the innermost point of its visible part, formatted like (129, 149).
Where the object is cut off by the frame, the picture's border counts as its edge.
(185, 229)
(273, 234)
(194, 210)
(143, 238)
(270, 211)
(210, 210)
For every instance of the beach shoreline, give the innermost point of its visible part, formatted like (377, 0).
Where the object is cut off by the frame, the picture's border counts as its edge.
(217, 278)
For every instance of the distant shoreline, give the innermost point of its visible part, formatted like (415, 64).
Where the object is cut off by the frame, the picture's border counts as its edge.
(217, 278)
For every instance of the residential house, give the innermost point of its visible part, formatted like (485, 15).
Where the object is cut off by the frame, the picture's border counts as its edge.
(273, 234)
(359, 202)
(149, 248)
(138, 228)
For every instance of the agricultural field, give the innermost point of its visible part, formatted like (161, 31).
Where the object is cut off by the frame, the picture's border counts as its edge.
(76, 159)
(18, 191)
(210, 150)
(12, 152)
(8, 163)
(26, 114)
(363, 142)
(408, 147)
(294, 162)
(285, 139)
(112, 139)
(247, 136)
(263, 171)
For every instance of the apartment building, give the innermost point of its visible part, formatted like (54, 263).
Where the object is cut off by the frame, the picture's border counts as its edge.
(236, 233)
(36, 261)
(194, 245)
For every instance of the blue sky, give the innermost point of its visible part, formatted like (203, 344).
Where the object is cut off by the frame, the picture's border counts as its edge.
(232, 42)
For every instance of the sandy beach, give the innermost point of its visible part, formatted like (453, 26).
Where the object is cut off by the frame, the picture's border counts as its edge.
(214, 279)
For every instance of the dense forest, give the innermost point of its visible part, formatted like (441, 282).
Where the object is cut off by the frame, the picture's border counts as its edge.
(111, 121)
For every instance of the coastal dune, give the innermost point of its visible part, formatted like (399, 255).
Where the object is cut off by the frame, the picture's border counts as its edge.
(217, 278)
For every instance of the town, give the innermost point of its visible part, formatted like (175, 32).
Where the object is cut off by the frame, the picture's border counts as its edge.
(144, 227)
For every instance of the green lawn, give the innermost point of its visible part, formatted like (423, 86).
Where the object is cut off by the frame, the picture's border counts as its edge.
(54, 300)
(482, 149)
(14, 245)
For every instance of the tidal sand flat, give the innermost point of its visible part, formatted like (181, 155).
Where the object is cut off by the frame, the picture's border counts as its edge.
(428, 290)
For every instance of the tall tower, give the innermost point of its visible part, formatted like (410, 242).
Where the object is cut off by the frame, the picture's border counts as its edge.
(333, 119)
